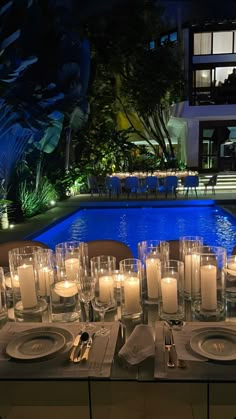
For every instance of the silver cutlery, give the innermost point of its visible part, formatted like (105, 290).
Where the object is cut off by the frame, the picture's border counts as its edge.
(168, 347)
(176, 325)
(75, 346)
(88, 347)
(83, 343)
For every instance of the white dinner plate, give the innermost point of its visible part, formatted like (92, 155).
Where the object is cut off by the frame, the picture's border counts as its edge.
(215, 343)
(38, 343)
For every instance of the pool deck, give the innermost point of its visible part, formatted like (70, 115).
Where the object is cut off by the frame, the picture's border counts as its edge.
(34, 225)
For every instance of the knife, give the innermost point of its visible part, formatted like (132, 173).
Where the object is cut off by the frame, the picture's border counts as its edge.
(75, 347)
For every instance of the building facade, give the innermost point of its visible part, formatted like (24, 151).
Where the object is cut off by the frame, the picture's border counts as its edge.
(208, 115)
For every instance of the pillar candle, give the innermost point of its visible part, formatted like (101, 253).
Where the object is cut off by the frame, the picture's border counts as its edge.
(27, 285)
(208, 287)
(45, 276)
(169, 295)
(153, 274)
(106, 288)
(72, 268)
(187, 273)
(65, 288)
(132, 294)
(195, 273)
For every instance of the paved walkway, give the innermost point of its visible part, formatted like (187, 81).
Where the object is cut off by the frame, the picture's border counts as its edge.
(64, 208)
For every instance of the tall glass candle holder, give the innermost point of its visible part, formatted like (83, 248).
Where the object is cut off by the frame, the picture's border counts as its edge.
(25, 284)
(45, 270)
(102, 269)
(230, 279)
(131, 300)
(152, 253)
(3, 299)
(172, 290)
(188, 246)
(208, 300)
(71, 258)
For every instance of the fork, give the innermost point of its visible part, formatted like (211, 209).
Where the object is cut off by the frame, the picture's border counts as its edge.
(168, 346)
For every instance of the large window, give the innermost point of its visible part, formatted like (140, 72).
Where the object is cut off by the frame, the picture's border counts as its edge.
(202, 43)
(203, 78)
(207, 43)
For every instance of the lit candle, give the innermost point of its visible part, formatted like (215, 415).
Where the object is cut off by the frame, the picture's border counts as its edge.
(187, 273)
(45, 276)
(27, 285)
(169, 295)
(153, 276)
(195, 273)
(8, 280)
(132, 294)
(106, 288)
(65, 288)
(72, 268)
(208, 287)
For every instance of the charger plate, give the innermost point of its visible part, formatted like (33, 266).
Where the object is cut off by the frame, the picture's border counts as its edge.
(38, 343)
(215, 343)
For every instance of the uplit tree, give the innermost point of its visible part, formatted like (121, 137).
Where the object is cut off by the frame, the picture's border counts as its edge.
(133, 79)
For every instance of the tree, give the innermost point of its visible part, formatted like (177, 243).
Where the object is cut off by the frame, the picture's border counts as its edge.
(137, 81)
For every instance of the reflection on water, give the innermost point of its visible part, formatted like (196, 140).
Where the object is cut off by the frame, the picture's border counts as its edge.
(131, 225)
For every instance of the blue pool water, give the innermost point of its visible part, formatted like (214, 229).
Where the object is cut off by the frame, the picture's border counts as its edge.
(131, 225)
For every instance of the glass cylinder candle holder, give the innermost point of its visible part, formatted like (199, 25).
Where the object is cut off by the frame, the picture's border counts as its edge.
(131, 300)
(118, 278)
(25, 284)
(188, 247)
(230, 279)
(102, 269)
(208, 298)
(64, 301)
(71, 258)
(45, 270)
(172, 290)
(3, 299)
(152, 253)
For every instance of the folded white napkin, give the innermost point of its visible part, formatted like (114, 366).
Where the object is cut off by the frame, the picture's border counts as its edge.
(139, 346)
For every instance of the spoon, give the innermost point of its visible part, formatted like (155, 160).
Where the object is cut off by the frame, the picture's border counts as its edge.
(83, 340)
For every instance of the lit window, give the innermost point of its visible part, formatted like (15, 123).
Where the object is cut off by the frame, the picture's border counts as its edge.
(151, 44)
(222, 42)
(164, 39)
(173, 37)
(202, 43)
(203, 78)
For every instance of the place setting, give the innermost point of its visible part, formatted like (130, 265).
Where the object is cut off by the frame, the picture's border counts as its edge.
(69, 347)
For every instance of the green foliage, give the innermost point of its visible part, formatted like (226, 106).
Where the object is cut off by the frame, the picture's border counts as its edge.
(105, 149)
(34, 202)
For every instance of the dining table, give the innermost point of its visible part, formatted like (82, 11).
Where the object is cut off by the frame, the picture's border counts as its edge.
(107, 385)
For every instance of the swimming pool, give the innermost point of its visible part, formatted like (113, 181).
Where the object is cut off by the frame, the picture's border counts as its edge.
(133, 224)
